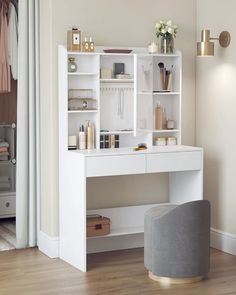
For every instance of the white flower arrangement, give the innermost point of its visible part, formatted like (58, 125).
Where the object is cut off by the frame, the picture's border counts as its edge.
(165, 29)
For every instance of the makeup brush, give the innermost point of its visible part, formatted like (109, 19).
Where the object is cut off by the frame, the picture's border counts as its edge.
(161, 65)
(169, 84)
(162, 76)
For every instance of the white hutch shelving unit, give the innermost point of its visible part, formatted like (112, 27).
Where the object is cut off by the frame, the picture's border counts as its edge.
(138, 95)
(125, 107)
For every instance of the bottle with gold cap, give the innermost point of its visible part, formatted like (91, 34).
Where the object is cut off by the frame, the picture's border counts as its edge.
(91, 45)
(90, 135)
(86, 45)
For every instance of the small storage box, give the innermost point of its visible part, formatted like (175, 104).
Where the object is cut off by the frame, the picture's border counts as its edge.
(97, 225)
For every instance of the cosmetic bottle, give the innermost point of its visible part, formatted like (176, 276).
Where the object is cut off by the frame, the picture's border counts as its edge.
(91, 45)
(158, 116)
(112, 141)
(102, 141)
(72, 65)
(163, 118)
(74, 39)
(82, 138)
(90, 136)
(86, 45)
(117, 141)
(107, 142)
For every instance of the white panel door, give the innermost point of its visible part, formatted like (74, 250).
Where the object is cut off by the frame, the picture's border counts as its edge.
(143, 94)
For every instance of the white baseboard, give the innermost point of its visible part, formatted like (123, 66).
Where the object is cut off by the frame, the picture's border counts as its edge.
(48, 245)
(223, 241)
(220, 240)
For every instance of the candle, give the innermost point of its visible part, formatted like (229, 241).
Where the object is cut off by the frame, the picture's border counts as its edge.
(152, 48)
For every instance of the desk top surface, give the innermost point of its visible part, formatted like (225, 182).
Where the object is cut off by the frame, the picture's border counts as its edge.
(130, 151)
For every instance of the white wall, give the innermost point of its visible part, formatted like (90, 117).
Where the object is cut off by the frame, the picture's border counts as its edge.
(110, 23)
(216, 113)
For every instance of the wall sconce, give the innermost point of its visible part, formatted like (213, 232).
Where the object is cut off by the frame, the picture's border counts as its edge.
(206, 47)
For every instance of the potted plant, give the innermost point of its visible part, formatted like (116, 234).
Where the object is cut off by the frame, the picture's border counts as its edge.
(167, 31)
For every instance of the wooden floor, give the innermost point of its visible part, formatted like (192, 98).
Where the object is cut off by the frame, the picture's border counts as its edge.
(30, 272)
(7, 234)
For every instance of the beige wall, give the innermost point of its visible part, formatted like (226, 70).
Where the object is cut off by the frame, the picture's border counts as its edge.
(111, 23)
(216, 113)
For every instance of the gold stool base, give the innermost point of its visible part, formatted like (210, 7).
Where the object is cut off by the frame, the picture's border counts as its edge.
(165, 280)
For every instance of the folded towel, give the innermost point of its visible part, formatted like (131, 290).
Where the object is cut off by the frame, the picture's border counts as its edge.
(4, 178)
(3, 158)
(3, 149)
(4, 144)
(4, 154)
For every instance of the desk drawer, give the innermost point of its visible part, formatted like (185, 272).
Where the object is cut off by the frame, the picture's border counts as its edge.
(115, 165)
(168, 162)
(7, 206)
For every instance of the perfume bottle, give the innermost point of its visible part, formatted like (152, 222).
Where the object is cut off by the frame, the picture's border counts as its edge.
(91, 45)
(72, 66)
(85, 45)
(74, 39)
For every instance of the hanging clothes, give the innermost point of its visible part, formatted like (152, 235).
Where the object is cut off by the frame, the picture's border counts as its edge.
(15, 3)
(13, 41)
(5, 77)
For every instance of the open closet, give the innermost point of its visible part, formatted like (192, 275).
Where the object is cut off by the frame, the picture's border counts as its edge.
(8, 121)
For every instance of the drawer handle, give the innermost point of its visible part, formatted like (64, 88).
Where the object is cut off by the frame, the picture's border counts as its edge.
(98, 226)
(7, 204)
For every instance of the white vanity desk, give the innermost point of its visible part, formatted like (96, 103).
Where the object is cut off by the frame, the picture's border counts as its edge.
(185, 167)
(141, 93)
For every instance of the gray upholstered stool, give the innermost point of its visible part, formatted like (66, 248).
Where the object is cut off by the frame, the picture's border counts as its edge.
(177, 242)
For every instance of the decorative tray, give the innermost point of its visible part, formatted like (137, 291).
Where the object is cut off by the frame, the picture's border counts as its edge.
(118, 50)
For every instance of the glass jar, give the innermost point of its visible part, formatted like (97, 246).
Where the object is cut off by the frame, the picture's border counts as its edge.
(167, 44)
(160, 141)
(72, 66)
(170, 124)
(171, 141)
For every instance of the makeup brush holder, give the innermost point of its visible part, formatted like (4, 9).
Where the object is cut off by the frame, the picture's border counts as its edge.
(165, 83)
(165, 80)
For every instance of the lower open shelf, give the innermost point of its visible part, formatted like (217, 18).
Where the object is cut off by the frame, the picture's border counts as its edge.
(124, 220)
(122, 232)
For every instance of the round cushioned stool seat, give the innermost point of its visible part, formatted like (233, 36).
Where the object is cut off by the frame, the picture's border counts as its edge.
(177, 241)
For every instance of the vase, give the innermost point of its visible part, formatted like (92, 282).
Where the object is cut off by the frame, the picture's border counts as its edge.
(167, 44)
